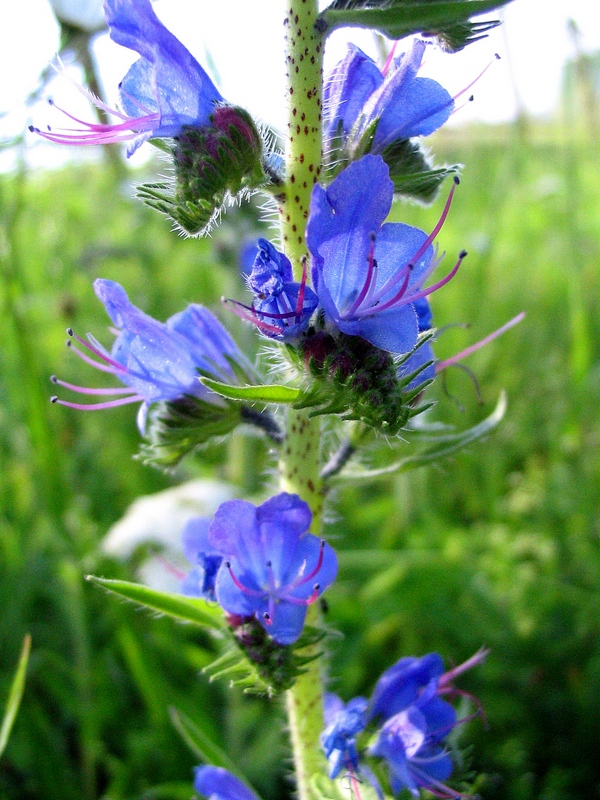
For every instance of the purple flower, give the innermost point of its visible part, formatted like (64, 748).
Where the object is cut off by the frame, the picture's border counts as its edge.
(357, 94)
(157, 361)
(338, 740)
(273, 568)
(217, 783)
(200, 581)
(369, 275)
(283, 307)
(164, 90)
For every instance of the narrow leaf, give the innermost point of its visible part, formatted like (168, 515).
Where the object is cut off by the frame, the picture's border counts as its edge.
(188, 609)
(399, 18)
(449, 444)
(257, 394)
(15, 694)
(201, 745)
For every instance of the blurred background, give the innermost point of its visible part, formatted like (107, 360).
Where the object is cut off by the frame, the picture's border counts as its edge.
(498, 546)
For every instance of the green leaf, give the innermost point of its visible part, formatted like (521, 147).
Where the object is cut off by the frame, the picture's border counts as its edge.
(447, 19)
(201, 745)
(15, 694)
(444, 446)
(254, 394)
(187, 609)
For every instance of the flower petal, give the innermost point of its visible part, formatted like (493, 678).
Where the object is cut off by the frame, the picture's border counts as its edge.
(219, 784)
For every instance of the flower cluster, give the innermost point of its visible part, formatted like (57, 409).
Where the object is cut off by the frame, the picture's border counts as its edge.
(260, 562)
(413, 721)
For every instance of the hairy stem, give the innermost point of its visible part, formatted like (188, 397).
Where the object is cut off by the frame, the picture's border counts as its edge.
(300, 466)
(304, 69)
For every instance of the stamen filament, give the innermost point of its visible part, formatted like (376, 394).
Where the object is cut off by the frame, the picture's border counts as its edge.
(136, 398)
(88, 390)
(302, 579)
(368, 280)
(97, 352)
(420, 252)
(240, 585)
(481, 343)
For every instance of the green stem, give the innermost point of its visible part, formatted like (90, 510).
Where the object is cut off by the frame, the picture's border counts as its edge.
(300, 464)
(304, 64)
(299, 473)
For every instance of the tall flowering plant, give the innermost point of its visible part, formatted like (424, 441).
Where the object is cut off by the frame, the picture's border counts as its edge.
(343, 296)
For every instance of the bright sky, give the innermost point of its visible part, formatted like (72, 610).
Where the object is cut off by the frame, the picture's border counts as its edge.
(244, 41)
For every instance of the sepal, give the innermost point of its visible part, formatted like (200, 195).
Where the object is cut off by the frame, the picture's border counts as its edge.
(256, 663)
(448, 20)
(211, 164)
(178, 427)
(357, 381)
(411, 171)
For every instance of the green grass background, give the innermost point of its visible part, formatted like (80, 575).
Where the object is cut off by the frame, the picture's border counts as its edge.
(497, 546)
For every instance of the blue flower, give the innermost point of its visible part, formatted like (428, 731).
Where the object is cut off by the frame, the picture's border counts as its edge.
(200, 581)
(283, 307)
(410, 743)
(368, 275)
(408, 704)
(402, 684)
(273, 568)
(157, 361)
(357, 94)
(338, 740)
(217, 783)
(164, 90)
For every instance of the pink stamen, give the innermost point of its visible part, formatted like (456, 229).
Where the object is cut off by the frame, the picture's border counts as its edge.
(476, 658)
(297, 601)
(177, 573)
(353, 780)
(414, 260)
(88, 360)
(389, 59)
(240, 585)
(417, 295)
(481, 343)
(368, 280)
(473, 82)
(240, 310)
(302, 579)
(136, 398)
(301, 292)
(97, 352)
(87, 390)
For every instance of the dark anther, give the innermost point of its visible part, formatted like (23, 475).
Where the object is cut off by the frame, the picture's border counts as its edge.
(372, 236)
(53, 379)
(471, 98)
(322, 543)
(497, 57)
(316, 587)
(70, 332)
(269, 564)
(462, 254)
(228, 564)
(54, 398)
(68, 343)
(410, 267)
(266, 616)
(32, 129)
(50, 101)
(456, 180)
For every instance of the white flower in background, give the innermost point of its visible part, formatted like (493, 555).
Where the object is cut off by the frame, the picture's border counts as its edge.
(158, 519)
(85, 14)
